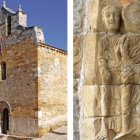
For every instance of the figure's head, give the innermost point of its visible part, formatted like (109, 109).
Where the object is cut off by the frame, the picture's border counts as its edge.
(111, 17)
(131, 17)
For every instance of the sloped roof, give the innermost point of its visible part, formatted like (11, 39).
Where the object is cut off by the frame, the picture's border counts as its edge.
(7, 10)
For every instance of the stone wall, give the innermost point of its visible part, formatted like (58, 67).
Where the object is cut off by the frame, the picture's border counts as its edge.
(52, 86)
(20, 87)
(35, 88)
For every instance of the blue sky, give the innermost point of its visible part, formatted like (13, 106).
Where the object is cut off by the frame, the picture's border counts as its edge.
(51, 15)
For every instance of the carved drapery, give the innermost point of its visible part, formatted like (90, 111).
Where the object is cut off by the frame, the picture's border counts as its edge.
(110, 95)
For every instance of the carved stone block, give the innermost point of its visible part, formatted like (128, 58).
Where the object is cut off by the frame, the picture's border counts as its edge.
(95, 97)
(90, 101)
(110, 93)
(90, 67)
(88, 130)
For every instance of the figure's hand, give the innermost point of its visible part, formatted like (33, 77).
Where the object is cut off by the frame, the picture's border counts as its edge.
(127, 75)
(106, 76)
(124, 47)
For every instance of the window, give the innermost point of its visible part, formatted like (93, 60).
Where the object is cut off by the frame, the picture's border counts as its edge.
(5, 121)
(3, 70)
(8, 25)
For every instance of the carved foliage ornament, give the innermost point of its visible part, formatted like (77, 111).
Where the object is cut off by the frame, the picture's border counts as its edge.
(78, 16)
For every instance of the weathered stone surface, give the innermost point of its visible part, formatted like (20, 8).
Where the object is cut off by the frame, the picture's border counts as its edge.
(34, 89)
(51, 85)
(19, 30)
(87, 129)
(57, 134)
(90, 67)
(19, 87)
(79, 15)
(109, 82)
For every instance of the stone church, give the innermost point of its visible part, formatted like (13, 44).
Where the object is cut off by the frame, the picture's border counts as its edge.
(32, 78)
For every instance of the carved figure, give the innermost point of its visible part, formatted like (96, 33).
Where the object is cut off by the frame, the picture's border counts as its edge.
(109, 66)
(108, 45)
(130, 60)
(115, 105)
(127, 78)
(115, 66)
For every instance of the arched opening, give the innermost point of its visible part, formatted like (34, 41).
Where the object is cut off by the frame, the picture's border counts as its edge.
(5, 110)
(5, 121)
(3, 71)
(8, 25)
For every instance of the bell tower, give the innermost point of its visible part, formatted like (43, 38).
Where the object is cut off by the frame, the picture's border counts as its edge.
(13, 27)
(10, 20)
(5, 20)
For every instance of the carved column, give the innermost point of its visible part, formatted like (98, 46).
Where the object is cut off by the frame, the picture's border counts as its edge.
(109, 71)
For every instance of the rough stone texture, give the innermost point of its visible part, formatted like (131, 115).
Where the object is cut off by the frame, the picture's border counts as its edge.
(20, 87)
(34, 91)
(57, 134)
(19, 29)
(52, 85)
(78, 46)
(109, 81)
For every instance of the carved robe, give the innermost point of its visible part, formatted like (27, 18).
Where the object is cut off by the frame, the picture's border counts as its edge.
(107, 60)
(133, 52)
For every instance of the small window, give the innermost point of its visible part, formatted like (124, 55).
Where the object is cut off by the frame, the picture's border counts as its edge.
(5, 120)
(8, 25)
(3, 71)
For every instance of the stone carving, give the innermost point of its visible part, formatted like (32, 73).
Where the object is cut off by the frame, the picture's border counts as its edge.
(77, 55)
(130, 52)
(116, 103)
(78, 16)
(118, 56)
(109, 66)
(108, 46)
(78, 30)
(131, 17)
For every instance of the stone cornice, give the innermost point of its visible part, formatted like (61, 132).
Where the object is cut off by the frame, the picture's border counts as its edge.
(53, 49)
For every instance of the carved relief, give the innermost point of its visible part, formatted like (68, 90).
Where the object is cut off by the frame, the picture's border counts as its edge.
(116, 103)
(78, 29)
(78, 16)
(77, 51)
(108, 61)
(109, 66)
(77, 55)
(131, 17)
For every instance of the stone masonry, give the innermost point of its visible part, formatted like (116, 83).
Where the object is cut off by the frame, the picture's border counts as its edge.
(32, 78)
(107, 69)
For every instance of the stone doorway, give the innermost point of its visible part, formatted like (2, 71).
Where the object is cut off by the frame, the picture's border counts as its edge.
(4, 117)
(5, 121)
